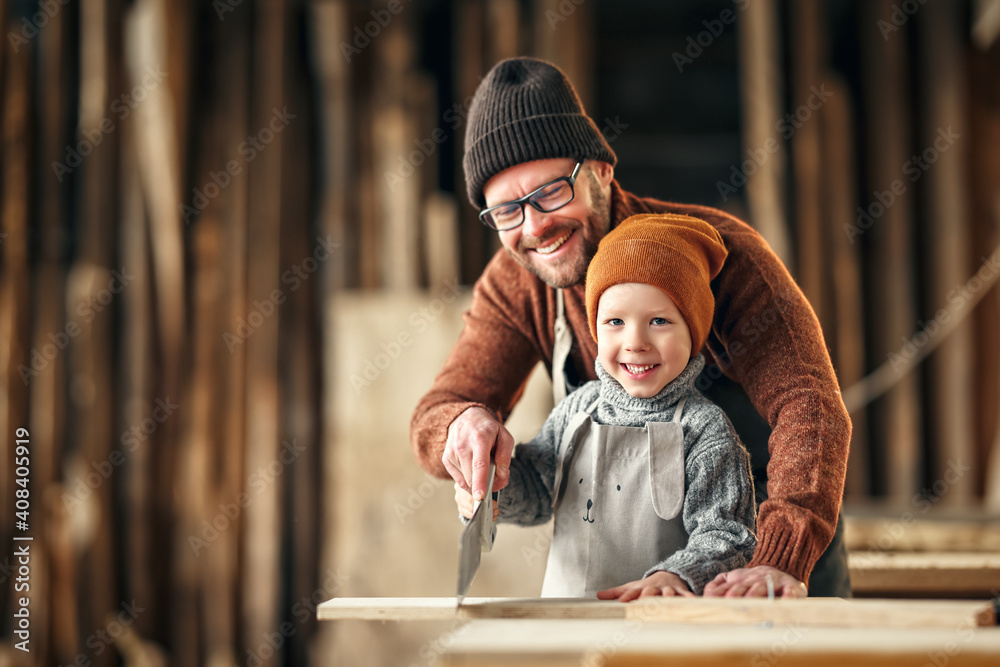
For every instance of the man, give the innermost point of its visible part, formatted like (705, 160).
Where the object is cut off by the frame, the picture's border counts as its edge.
(543, 176)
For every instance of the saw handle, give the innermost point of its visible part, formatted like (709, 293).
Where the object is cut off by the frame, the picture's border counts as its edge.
(489, 528)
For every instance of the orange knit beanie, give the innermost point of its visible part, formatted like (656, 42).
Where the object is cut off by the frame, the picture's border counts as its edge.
(676, 253)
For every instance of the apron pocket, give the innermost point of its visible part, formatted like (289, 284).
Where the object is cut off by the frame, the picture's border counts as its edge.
(666, 468)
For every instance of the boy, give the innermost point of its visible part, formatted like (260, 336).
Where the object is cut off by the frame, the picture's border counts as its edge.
(650, 486)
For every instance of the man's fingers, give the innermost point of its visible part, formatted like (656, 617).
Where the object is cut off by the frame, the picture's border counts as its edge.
(480, 470)
(793, 590)
(456, 474)
(736, 591)
(718, 586)
(502, 455)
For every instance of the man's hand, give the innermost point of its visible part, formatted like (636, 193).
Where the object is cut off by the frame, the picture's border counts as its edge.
(471, 438)
(662, 583)
(466, 505)
(751, 582)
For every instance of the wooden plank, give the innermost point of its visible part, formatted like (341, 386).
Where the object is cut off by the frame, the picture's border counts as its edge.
(902, 532)
(487, 643)
(925, 573)
(811, 612)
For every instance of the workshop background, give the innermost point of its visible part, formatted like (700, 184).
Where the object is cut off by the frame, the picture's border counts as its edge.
(235, 249)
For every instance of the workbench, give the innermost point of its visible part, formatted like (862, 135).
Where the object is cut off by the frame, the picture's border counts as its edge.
(623, 643)
(693, 631)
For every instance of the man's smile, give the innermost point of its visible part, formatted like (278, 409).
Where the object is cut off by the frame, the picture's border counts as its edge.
(554, 245)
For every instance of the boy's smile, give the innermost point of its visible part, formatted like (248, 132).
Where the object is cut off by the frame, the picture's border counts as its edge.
(643, 341)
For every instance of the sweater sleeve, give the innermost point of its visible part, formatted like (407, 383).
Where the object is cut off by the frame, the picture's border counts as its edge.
(719, 510)
(527, 498)
(766, 336)
(487, 367)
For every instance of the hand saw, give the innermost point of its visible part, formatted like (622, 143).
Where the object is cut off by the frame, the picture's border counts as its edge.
(477, 537)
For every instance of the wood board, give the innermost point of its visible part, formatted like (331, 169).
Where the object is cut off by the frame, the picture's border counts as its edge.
(581, 642)
(811, 612)
(900, 531)
(925, 573)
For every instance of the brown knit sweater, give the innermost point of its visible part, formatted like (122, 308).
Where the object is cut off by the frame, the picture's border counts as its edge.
(764, 336)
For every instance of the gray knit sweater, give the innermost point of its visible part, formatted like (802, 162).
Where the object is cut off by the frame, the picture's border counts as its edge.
(719, 514)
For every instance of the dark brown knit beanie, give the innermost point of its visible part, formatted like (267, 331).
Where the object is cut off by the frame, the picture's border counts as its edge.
(526, 109)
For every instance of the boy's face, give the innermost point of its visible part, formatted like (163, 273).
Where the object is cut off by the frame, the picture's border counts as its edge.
(642, 340)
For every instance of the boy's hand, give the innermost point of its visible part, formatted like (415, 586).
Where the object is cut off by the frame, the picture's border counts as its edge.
(751, 582)
(662, 583)
(466, 504)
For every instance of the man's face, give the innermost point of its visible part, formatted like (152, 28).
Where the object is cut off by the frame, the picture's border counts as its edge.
(642, 338)
(556, 246)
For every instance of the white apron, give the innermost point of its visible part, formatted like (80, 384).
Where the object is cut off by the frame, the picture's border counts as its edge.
(617, 499)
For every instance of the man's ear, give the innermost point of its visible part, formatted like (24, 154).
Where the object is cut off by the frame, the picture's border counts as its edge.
(604, 172)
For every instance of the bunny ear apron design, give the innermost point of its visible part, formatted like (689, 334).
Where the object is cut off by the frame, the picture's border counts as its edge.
(617, 499)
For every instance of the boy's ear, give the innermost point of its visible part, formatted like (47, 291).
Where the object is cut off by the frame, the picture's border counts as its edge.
(604, 172)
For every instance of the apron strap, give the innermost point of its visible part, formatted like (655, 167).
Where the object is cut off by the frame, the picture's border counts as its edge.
(563, 343)
(564, 452)
(679, 412)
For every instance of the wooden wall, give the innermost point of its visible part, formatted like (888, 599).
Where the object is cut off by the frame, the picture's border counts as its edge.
(187, 187)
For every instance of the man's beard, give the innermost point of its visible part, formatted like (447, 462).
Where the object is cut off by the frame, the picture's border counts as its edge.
(573, 270)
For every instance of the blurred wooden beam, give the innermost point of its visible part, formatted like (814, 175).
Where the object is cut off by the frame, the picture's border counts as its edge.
(760, 92)
(137, 380)
(19, 365)
(839, 204)
(984, 201)
(92, 285)
(329, 29)
(440, 242)
(563, 35)
(945, 134)
(159, 171)
(887, 231)
(470, 66)
(807, 65)
(52, 323)
(397, 158)
(505, 21)
(985, 23)
(260, 580)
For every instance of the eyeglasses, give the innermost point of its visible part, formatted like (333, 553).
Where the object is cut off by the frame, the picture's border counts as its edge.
(550, 197)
